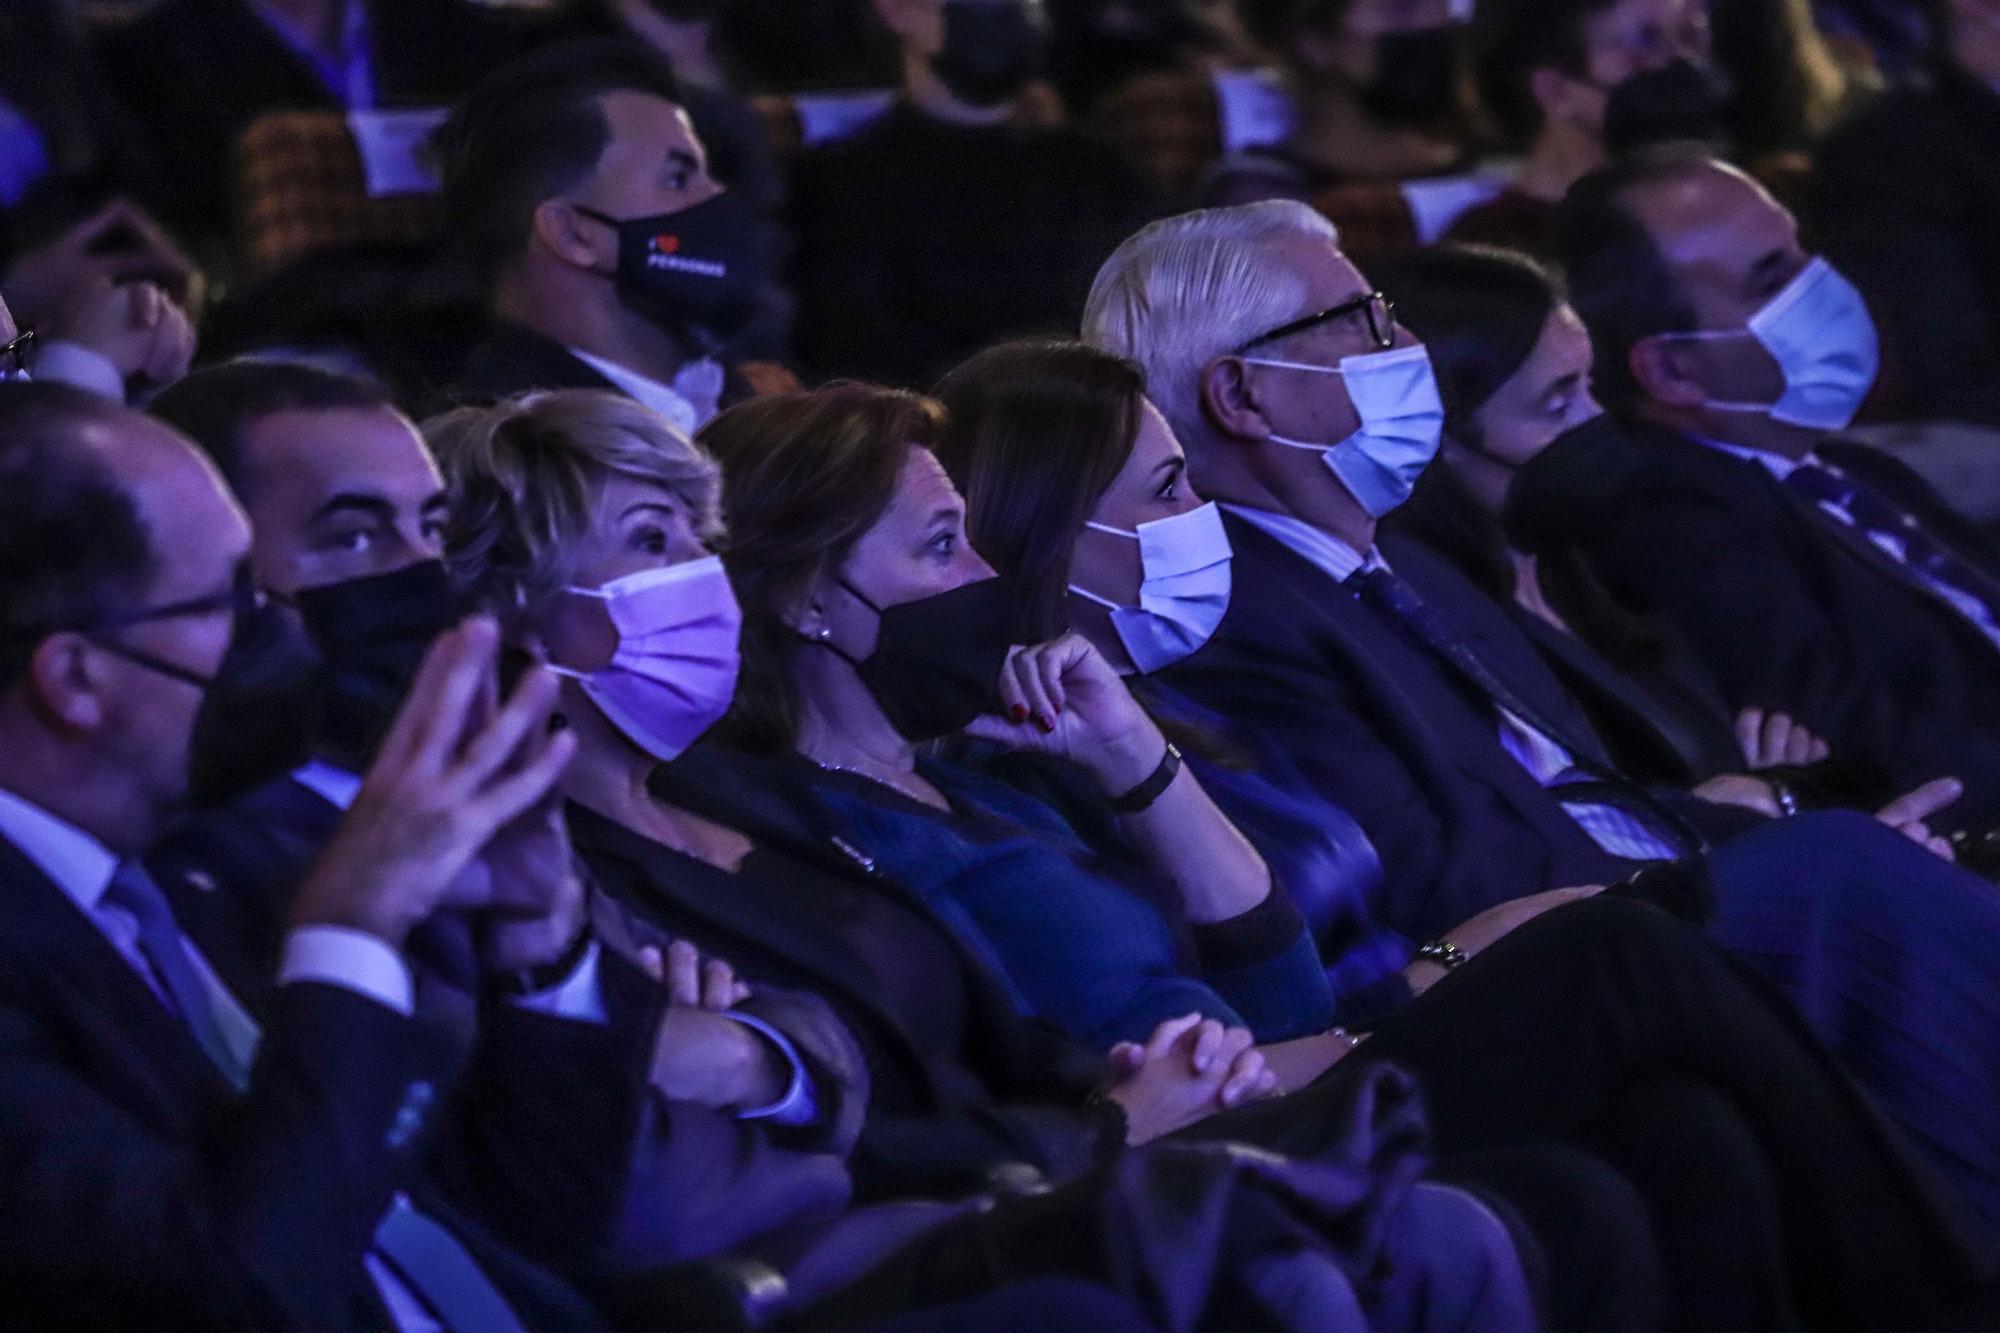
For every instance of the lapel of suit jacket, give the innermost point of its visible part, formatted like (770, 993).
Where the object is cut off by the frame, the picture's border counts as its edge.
(96, 997)
(1616, 690)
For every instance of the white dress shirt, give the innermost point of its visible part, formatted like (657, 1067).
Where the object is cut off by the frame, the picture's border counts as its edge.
(1547, 761)
(1781, 467)
(689, 402)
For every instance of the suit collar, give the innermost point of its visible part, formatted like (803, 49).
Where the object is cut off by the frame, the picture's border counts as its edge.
(67, 857)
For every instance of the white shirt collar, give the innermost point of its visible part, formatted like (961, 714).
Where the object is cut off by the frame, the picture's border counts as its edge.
(688, 402)
(331, 783)
(1778, 465)
(80, 865)
(1326, 551)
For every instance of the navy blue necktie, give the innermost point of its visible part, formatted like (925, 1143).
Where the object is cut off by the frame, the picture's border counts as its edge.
(165, 952)
(1877, 517)
(1404, 606)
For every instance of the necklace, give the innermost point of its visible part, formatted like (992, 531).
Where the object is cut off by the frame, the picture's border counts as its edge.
(921, 798)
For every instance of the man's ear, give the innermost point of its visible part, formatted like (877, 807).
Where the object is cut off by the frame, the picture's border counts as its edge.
(1229, 400)
(1664, 373)
(65, 684)
(578, 241)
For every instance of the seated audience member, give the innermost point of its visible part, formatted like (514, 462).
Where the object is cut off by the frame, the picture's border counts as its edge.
(1415, 704)
(1513, 364)
(1377, 88)
(1061, 453)
(1906, 199)
(1820, 579)
(951, 221)
(194, 74)
(1092, 948)
(574, 182)
(600, 534)
(1570, 83)
(170, 1151)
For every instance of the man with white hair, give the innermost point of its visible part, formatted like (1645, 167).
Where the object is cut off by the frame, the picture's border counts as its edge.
(1411, 701)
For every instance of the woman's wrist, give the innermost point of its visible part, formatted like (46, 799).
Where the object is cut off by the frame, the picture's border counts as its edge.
(1122, 764)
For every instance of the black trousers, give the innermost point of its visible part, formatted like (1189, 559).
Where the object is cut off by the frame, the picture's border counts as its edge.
(1598, 1025)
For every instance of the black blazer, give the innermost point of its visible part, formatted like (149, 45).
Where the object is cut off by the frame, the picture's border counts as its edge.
(141, 1188)
(194, 74)
(695, 1182)
(1790, 611)
(515, 359)
(917, 1140)
(1379, 729)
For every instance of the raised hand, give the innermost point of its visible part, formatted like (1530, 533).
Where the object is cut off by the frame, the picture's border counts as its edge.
(443, 784)
(117, 244)
(1063, 698)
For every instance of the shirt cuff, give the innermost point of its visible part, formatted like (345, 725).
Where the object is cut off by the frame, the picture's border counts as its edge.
(580, 996)
(79, 366)
(798, 1106)
(352, 960)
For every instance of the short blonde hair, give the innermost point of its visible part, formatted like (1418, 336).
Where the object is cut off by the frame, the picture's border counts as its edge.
(524, 476)
(1186, 289)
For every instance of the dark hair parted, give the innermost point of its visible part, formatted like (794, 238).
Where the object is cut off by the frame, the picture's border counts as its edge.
(215, 406)
(1038, 431)
(73, 547)
(531, 131)
(1618, 279)
(1480, 311)
(804, 476)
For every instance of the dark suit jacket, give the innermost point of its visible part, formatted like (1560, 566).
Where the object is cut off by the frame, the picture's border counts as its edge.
(141, 1188)
(1380, 730)
(195, 73)
(514, 359)
(695, 1182)
(1790, 611)
(1906, 199)
(918, 1140)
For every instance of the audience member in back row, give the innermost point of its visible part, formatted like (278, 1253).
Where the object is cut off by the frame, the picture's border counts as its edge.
(886, 223)
(1416, 704)
(1062, 454)
(1378, 91)
(1569, 83)
(1904, 198)
(1810, 576)
(613, 260)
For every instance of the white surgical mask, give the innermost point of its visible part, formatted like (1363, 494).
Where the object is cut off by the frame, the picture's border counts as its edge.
(1402, 420)
(1184, 590)
(674, 673)
(1819, 332)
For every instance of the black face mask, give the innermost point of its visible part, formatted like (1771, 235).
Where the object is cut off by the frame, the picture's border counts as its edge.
(1570, 491)
(1416, 76)
(990, 51)
(1676, 102)
(257, 713)
(937, 660)
(372, 634)
(695, 273)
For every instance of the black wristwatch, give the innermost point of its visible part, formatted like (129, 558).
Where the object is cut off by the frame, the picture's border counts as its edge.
(516, 982)
(1140, 799)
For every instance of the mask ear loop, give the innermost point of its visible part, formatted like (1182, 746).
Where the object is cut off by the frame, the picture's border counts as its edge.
(824, 638)
(1722, 335)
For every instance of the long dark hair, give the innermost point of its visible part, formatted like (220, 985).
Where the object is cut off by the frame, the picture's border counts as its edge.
(804, 476)
(1038, 431)
(1481, 312)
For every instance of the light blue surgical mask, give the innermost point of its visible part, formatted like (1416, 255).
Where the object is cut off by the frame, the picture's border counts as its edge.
(1819, 332)
(1184, 593)
(1402, 419)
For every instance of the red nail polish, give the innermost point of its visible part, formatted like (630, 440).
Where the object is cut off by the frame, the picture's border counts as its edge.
(1046, 725)
(1018, 712)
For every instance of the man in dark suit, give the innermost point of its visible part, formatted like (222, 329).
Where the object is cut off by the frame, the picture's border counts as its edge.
(1905, 197)
(613, 260)
(1816, 578)
(194, 74)
(174, 1154)
(1416, 705)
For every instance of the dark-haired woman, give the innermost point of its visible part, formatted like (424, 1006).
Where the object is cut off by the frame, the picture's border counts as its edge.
(1603, 1023)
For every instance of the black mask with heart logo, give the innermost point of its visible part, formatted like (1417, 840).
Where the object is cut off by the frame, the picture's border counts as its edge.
(697, 272)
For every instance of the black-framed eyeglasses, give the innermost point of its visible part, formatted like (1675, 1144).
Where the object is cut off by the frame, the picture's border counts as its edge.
(1379, 309)
(242, 598)
(14, 355)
